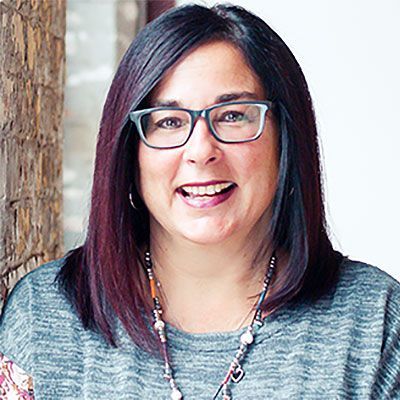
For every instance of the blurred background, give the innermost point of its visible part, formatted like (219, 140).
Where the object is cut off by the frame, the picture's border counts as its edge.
(349, 54)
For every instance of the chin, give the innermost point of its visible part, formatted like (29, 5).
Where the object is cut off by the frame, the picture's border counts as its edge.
(203, 241)
(208, 236)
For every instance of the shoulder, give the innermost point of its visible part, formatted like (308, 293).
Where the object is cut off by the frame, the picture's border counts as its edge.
(366, 282)
(38, 288)
(32, 311)
(357, 271)
(373, 298)
(43, 275)
(364, 297)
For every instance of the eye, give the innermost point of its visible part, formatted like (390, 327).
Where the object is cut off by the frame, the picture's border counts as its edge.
(232, 116)
(170, 123)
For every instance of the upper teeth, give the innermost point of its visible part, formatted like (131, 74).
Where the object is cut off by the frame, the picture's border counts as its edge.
(209, 189)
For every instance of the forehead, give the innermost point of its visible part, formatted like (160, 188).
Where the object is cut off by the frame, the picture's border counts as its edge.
(206, 73)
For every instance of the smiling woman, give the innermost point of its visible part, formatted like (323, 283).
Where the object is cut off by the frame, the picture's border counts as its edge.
(207, 254)
(241, 156)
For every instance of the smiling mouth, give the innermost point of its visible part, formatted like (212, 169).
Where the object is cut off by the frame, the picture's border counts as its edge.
(206, 191)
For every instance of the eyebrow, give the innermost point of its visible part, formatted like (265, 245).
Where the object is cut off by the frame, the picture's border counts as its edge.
(219, 99)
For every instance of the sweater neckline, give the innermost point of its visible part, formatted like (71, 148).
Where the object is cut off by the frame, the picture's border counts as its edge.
(223, 341)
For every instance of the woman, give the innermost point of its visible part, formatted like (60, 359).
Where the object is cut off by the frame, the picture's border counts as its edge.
(207, 271)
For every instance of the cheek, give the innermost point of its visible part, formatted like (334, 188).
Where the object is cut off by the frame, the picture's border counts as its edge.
(157, 169)
(268, 155)
(147, 174)
(260, 161)
(262, 167)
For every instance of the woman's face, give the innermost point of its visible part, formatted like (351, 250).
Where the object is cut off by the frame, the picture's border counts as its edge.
(212, 72)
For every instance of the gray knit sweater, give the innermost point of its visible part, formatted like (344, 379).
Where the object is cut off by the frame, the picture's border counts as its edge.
(344, 346)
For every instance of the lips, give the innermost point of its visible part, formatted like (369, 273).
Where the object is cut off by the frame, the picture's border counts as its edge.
(206, 194)
(201, 190)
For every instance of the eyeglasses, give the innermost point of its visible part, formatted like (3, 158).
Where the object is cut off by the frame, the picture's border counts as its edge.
(230, 122)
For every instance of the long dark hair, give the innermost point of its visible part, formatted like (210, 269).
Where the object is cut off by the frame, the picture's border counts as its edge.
(103, 278)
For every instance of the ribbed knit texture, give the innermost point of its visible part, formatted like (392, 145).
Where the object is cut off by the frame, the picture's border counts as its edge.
(344, 346)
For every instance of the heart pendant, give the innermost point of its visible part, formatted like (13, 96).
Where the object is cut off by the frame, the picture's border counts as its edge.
(238, 374)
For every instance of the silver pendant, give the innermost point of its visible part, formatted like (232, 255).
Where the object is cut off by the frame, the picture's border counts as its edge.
(238, 374)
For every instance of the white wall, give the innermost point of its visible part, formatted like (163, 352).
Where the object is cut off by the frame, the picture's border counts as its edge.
(350, 54)
(91, 52)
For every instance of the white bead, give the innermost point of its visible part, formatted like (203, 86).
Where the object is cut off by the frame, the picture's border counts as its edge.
(159, 325)
(176, 394)
(247, 338)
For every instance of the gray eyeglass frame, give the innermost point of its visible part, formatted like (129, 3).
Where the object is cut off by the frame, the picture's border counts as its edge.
(136, 116)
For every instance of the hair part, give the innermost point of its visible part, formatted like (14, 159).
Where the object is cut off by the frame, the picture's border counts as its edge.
(103, 278)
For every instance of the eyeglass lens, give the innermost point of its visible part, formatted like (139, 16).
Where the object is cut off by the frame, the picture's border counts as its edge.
(231, 123)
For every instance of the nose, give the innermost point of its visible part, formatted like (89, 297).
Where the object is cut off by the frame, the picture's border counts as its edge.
(202, 148)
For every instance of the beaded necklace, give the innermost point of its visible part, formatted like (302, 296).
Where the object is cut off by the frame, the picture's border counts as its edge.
(235, 372)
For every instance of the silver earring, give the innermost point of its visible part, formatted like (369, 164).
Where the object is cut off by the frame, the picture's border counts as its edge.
(131, 199)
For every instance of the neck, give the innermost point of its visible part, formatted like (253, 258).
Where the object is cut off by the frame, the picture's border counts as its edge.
(207, 288)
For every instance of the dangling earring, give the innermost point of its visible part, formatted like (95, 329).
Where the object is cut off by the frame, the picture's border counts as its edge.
(131, 199)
